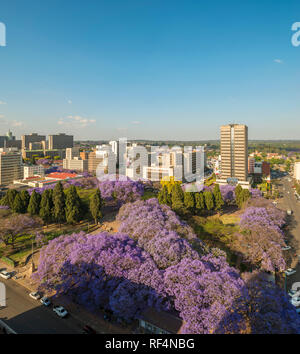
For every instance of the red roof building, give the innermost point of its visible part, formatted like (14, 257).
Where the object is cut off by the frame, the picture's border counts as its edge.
(61, 175)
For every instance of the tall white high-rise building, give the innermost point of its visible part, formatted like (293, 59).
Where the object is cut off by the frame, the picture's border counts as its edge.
(297, 171)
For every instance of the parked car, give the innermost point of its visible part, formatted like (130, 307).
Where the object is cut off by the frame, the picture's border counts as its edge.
(45, 301)
(289, 212)
(35, 295)
(6, 275)
(88, 330)
(295, 301)
(290, 271)
(287, 248)
(60, 311)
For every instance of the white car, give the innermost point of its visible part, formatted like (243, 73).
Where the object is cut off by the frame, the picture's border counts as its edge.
(45, 301)
(295, 301)
(287, 248)
(35, 295)
(60, 311)
(4, 274)
(290, 271)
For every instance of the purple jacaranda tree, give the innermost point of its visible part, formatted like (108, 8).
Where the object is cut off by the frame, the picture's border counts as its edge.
(123, 191)
(260, 240)
(146, 219)
(113, 272)
(205, 291)
(79, 264)
(268, 310)
(228, 193)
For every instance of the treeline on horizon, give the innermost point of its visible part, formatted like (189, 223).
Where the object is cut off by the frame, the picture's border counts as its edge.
(279, 146)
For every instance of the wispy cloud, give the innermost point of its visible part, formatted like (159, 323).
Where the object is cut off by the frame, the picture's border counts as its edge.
(17, 124)
(77, 121)
(135, 122)
(278, 61)
(69, 101)
(2, 102)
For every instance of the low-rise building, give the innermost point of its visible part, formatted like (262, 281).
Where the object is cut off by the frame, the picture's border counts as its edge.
(33, 170)
(159, 322)
(76, 164)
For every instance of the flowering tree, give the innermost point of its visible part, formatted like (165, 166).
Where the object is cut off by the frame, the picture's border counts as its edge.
(268, 309)
(91, 267)
(228, 193)
(261, 239)
(146, 219)
(122, 191)
(205, 291)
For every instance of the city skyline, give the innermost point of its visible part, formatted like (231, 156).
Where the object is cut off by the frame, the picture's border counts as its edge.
(150, 70)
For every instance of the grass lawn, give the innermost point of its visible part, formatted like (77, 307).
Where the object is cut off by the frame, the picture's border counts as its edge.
(229, 219)
(21, 255)
(217, 233)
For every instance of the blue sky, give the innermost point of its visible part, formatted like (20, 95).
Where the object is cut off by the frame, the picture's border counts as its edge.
(150, 69)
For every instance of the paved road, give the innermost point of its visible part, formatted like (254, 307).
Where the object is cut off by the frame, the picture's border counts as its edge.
(289, 201)
(27, 316)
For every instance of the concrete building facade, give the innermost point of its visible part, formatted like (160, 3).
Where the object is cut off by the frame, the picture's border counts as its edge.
(60, 141)
(234, 152)
(31, 138)
(10, 166)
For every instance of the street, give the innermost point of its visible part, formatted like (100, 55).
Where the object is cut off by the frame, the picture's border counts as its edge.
(289, 201)
(27, 316)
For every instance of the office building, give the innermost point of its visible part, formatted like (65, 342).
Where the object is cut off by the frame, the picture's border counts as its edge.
(76, 164)
(94, 161)
(6, 139)
(60, 141)
(72, 152)
(27, 154)
(234, 155)
(31, 138)
(10, 166)
(297, 171)
(33, 170)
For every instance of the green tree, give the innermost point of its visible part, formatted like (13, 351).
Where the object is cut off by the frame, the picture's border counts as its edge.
(245, 195)
(163, 196)
(189, 201)
(4, 200)
(199, 201)
(58, 198)
(238, 195)
(34, 203)
(46, 206)
(18, 205)
(209, 200)
(25, 199)
(11, 195)
(219, 202)
(177, 198)
(96, 206)
(73, 206)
